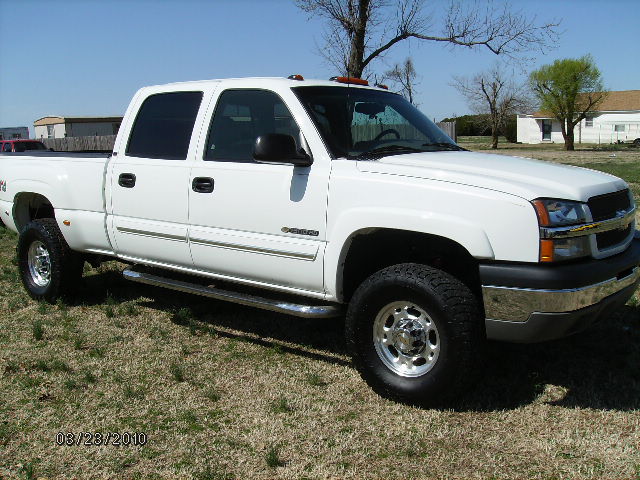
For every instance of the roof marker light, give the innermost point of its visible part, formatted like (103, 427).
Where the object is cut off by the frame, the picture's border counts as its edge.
(354, 80)
(380, 85)
(295, 77)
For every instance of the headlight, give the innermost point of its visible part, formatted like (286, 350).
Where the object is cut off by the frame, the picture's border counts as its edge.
(553, 212)
(559, 213)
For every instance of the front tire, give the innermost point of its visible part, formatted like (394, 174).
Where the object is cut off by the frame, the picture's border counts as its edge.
(49, 269)
(415, 334)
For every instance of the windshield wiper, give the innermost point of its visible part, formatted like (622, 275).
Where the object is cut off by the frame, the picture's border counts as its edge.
(444, 146)
(388, 149)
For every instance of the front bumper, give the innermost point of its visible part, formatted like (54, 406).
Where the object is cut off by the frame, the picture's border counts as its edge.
(533, 303)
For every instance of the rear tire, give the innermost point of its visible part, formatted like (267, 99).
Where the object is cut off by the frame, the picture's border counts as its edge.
(415, 334)
(49, 269)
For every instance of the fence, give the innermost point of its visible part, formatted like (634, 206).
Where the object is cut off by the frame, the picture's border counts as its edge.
(449, 128)
(81, 144)
(367, 132)
(105, 143)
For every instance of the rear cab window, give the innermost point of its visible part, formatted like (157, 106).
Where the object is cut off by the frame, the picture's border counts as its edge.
(164, 125)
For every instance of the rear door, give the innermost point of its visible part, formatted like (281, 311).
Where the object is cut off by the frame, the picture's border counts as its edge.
(150, 181)
(257, 222)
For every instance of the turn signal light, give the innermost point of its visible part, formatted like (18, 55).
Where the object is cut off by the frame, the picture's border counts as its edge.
(546, 250)
(354, 80)
(543, 214)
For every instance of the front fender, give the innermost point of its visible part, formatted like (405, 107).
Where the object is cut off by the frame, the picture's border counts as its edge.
(469, 235)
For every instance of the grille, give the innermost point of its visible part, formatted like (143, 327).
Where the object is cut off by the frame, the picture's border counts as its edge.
(612, 237)
(605, 206)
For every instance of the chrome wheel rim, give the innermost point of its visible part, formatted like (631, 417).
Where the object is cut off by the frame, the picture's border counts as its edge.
(406, 339)
(39, 264)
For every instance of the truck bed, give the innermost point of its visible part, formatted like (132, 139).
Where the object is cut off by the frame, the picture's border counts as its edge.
(72, 183)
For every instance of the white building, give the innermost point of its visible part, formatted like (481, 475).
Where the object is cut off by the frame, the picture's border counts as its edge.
(14, 133)
(616, 120)
(60, 127)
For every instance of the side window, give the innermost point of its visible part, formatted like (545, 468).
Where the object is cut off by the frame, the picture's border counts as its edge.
(241, 116)
(163, 126)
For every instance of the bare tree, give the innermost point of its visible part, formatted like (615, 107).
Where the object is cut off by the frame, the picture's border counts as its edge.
(496, 96)
(404, 78)
(361, 31)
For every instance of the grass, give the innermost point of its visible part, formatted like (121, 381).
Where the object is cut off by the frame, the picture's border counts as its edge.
(177, 372)
(226, 392)
(37, 328)
(281, 405)
(272, 457)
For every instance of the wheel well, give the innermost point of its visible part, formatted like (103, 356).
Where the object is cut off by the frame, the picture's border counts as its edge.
(31, 206)
(375, 250)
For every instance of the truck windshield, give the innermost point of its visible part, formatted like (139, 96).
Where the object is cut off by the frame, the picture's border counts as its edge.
(362, 123)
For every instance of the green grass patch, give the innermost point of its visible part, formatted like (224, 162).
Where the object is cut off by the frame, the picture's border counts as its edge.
(177, 371)
(37, 329)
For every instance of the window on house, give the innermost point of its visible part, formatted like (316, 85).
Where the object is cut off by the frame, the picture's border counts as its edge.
(588, 122)
(16, 135)
(50, 132)
(618, 127)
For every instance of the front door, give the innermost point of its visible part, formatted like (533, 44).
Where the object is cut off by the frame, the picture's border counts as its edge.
(546, 129)
(251, 221)
(150, 182)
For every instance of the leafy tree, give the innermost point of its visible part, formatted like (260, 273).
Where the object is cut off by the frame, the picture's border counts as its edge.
(510, 129)
(495, 94)
(404, 77)
(568, 89)
(361, 31)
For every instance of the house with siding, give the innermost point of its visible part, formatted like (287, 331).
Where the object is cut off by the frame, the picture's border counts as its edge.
(61, 127)
(616, 120)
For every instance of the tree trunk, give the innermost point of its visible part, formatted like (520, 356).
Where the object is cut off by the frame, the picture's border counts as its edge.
(494, 138)
(569, 139)
(358, 40)
(567, 134)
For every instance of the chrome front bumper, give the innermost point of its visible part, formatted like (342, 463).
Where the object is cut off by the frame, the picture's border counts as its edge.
(535, 302)
(517, 304)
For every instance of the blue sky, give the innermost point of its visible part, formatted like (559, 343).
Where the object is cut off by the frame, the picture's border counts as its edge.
(74, 57)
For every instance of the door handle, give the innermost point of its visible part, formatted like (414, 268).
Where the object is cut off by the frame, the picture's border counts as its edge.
(127, 180)
(202, 184)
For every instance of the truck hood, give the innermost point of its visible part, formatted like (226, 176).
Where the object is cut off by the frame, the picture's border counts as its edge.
(523, 177)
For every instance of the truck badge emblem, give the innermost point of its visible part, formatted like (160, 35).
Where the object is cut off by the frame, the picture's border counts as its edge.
(3, 186)
(300, 231)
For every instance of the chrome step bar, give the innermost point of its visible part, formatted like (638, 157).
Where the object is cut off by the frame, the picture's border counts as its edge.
(298, 310)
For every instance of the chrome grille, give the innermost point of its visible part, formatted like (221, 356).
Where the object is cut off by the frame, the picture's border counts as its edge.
(606, 206)
(612, 237)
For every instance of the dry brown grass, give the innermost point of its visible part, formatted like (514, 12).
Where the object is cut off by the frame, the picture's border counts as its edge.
(224, 391)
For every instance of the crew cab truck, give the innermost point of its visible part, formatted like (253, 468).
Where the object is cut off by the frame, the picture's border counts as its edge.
(320, 198)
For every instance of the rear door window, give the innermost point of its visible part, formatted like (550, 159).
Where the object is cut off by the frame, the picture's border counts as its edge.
(164, 125)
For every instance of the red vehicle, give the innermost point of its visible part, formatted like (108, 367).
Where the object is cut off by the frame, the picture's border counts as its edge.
(21, 145)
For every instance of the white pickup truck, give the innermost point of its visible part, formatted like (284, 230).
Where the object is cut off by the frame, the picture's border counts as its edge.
(315, 198)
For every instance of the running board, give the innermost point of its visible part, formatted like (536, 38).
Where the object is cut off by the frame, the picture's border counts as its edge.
(298, 310)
